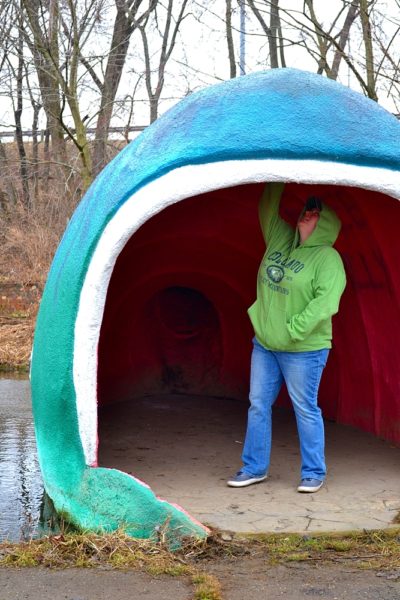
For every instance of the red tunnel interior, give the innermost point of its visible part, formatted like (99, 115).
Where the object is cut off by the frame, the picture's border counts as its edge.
(176, 320)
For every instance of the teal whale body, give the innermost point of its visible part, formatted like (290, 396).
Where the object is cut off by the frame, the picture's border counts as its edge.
(282, 125)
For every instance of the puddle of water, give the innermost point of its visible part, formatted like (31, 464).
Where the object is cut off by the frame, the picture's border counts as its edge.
(22, 499)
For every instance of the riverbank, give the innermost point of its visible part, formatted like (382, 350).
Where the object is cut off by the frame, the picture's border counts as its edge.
(19, 303)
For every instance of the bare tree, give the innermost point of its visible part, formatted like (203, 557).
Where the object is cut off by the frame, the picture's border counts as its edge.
(229, 39)
(59, 33)
(36, 106)
(8, 192)
(328, 41)
(40, 27)
(127, 19)
(369, 53)
(7, 17)
(51, 56)
(343, 38)
(13, 72)
(391, 73)
(167, 27)
(19, 76)
(273, 31)
(327, 44)
(56, 33)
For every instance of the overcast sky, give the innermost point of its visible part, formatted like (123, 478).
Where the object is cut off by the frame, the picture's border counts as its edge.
(201, 57)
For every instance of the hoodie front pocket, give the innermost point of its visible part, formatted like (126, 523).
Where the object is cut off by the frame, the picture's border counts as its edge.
(276, 330)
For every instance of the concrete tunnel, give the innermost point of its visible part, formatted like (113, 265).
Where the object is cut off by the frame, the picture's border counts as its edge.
(148, 292)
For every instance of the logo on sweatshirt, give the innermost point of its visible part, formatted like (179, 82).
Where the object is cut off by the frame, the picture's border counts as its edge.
(286, 261)
(275, 273)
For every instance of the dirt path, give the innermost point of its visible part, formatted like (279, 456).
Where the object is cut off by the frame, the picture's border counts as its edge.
(241, 579)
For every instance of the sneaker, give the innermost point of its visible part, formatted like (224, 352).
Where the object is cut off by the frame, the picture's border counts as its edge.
(310, 485)
(242, 479)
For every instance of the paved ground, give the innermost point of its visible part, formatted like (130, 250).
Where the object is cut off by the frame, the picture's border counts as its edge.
(186, 447)
(250, 579)
(89, 584)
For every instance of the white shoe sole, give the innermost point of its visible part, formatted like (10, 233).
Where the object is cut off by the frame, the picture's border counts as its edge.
(233, 483)
(309, 490)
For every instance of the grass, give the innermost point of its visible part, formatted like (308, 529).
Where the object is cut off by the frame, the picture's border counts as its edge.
(117, 550)
(16, 337)
(207, 587)
(18, 308)
(114, 550)
(364, 550)
(379, 549)
(28, 239)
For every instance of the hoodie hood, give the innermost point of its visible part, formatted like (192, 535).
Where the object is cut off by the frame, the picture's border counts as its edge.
(326, 231)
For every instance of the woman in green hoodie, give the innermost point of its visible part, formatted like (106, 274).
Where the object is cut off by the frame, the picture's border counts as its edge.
(300, 281)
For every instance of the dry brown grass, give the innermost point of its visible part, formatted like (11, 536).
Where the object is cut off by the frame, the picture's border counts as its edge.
(375, 549)
(18, 308)
(192, 560)
(15, 343)
(363, 550)
(29, 238)
(87, 550)
(29, 235)
(113, 550)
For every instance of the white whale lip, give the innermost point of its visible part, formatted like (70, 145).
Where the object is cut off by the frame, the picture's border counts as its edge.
(176, 185)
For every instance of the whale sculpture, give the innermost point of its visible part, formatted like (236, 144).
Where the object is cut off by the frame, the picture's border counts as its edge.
(149, 287)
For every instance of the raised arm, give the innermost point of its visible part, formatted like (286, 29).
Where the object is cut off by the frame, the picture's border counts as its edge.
(271, 223)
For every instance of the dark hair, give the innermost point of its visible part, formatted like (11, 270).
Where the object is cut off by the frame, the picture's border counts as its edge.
(313, 203)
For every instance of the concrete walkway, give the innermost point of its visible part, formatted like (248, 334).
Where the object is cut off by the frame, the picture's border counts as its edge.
(186, 448)
(247, 577)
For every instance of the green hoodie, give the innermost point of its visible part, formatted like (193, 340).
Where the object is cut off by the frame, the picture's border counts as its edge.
(299, 285)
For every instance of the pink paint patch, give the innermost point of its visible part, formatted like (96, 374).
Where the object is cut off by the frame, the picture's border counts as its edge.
(193, 519)
(143, 483)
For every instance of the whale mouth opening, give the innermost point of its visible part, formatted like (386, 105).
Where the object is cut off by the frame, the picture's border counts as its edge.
(175, 317)
(172, 344)
(175, 340)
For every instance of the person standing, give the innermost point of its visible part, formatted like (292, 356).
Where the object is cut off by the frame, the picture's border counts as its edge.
(300, 281)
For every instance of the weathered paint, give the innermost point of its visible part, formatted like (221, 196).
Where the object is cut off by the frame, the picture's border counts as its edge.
(282, 125)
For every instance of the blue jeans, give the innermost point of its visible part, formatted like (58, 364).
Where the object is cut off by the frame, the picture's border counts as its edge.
(301, 372)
